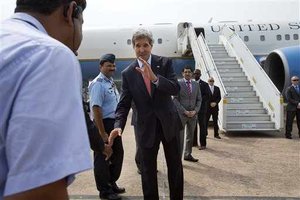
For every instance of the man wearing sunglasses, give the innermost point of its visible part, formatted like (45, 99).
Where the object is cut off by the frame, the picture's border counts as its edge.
(293, 107)
(213, 105)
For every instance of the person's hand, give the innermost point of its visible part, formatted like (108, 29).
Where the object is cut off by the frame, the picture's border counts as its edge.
(113, 134)
(193, 113)
(107, 151)
(213, 104)
(104, 136)
(187, 113)
(298, 107)
(146, 70)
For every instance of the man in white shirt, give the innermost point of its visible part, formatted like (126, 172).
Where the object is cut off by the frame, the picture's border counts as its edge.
(43, 138)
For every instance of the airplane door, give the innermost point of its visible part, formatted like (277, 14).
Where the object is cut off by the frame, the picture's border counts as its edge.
(199, 30)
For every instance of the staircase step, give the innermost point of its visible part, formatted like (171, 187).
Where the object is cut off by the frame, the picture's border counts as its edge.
(248, 117)
(230, 89)
(219, 51)
(228, 66)
(226, 62)
(236, 78)
(232, 74)
(221, 56)
(245, 111)
(236, 83)
(243, 100)
(241, 94)
(250, 125)
(227, 59)
(245, 106)
(229, 70)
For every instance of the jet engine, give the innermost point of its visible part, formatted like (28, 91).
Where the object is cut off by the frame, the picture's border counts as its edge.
(281, 64)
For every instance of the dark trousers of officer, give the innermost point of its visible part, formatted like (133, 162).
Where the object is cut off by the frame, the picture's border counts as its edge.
(290, 116)
(107, 172)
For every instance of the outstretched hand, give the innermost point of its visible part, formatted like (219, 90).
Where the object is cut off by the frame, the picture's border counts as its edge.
(113, 134)
(146, 70)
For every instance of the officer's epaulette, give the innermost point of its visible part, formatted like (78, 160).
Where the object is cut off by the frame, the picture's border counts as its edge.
(100, 79)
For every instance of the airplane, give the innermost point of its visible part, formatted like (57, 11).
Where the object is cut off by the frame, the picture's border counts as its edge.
(275, 45)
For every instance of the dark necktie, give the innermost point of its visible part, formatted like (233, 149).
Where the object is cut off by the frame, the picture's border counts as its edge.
(188, 83)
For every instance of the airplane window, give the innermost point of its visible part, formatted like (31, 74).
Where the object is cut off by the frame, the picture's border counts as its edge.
(159, 40)
(262, 38)
(278, 37)
(287, 37)
(246, 38)
(129, 41)
(296, 37)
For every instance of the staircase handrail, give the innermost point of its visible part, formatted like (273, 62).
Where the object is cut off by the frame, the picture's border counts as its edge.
(201, 52)
(209, 59)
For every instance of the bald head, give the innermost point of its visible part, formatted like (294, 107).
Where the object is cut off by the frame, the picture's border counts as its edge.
(211, 81)
(197, 74)
(295, 80)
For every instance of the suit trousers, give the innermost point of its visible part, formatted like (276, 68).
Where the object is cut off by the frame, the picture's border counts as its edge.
(190, 124)
(107, 172)
(290, 116)
(203, 128)
(215, 114)
(137, 151)
(149, 167)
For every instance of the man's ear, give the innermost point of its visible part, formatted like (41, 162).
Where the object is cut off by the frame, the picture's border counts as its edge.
(69, 11)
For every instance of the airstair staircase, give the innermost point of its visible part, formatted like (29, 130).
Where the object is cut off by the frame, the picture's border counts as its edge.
(248, 104)
(244, 109)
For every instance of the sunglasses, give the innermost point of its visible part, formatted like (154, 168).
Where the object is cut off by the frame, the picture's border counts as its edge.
(211, 81)
(295, 80)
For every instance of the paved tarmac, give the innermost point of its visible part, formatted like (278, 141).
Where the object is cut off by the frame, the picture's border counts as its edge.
(240, 166)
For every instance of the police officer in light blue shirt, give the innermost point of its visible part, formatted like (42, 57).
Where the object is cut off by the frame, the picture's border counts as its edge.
(104, 98)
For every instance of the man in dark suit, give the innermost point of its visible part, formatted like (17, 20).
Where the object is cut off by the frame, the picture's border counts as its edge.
(150, 82)
(203, 110)
(213, 105)
(293, 107)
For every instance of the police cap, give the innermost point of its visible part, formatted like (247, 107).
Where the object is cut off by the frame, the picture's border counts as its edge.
(107, 58)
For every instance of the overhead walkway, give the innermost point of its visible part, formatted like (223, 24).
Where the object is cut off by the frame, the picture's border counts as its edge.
(250, 102)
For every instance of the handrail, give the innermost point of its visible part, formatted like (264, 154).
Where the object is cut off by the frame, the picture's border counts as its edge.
(212, 63)
(266, 90)
(203, 57)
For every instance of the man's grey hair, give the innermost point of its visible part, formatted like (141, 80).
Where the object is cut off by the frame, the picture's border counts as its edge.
(142, 33)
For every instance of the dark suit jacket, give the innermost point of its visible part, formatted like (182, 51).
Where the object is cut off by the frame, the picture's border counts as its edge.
(205, 95)
(293, 98)
(215, 97)
(149, 109)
